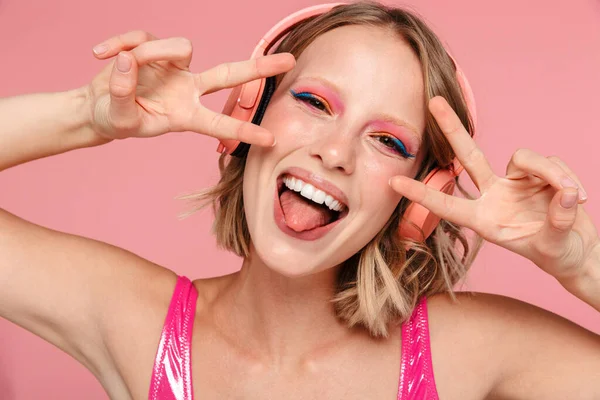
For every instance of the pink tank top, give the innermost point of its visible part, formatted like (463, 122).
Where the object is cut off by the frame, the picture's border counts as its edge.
(172, 372)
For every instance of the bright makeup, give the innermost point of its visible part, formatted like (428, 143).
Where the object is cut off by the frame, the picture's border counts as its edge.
(323, 91)
(400, 131)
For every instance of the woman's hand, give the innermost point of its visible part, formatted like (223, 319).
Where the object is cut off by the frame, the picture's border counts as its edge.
(148, 90)
(532, 211)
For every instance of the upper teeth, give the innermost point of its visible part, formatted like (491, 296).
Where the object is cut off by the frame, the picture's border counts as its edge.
(312, 193)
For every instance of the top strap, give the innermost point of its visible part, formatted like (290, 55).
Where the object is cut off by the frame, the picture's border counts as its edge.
(172, 372)
(416, 369)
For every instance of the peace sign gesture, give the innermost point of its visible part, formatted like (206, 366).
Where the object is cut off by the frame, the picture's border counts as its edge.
(532, 211)
(148, 90)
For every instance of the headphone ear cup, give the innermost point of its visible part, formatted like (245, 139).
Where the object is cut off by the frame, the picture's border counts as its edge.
(232, 100)
(419, 222)
(247, 102)
(241, 104)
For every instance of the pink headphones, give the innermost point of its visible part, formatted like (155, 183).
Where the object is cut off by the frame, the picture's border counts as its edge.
(249, 101)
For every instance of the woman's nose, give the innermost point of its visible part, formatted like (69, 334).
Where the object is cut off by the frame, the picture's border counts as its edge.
(335, 151)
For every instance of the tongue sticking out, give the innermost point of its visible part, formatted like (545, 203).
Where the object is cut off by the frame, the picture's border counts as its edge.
(302, 214)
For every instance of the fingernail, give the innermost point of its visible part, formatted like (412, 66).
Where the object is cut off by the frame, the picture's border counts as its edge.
(568, 183)
(100, 49)
(123, 63)
(274, 142)
(568, 199)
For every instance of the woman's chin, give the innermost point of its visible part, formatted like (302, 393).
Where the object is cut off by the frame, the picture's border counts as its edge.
(294, 262)
(291, 271)
(287, 261)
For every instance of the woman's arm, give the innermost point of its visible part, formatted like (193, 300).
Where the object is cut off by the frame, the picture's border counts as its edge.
(54, 284)
(586, 285)
(40, 125)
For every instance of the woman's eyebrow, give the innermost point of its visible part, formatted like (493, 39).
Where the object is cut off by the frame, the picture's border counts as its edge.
(400, 123)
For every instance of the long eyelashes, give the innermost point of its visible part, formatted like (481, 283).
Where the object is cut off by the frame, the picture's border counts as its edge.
(311, 99)
(395, 144)
(391, 142)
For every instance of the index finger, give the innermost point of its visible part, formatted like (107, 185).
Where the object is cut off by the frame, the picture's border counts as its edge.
(467, 152)
(123, 42)
(237, 73)
(222, 126)
(452, 208)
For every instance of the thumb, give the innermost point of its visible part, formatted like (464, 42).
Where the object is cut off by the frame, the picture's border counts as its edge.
(560, 219)
(123, 110)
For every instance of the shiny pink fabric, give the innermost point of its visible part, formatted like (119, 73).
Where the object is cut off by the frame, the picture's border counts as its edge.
(416, 368)
(172, 372)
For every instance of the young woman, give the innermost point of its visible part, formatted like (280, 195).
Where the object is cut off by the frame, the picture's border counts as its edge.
(341, 294)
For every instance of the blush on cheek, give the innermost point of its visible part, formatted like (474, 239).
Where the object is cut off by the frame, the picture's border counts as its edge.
(290, 125)
(386, 192)
(377, 173)
(379, 201)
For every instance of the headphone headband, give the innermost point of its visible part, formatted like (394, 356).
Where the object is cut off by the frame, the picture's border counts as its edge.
(288, 23)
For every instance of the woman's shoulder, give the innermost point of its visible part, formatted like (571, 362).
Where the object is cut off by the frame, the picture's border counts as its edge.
(475, 320)
(468, 339)
(484, 337)
(487, 312)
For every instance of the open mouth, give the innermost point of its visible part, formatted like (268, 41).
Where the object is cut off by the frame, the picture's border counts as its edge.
(305, 211)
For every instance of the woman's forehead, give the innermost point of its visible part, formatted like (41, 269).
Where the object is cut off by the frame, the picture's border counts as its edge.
(363, 56)
(360, 43)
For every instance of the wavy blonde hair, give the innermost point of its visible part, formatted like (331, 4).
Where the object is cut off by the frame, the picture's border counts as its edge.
(382, 282)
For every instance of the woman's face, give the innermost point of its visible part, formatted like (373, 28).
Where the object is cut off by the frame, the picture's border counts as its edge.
(347, 118)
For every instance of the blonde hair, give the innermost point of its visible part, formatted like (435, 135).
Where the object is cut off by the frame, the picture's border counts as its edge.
(382, 282)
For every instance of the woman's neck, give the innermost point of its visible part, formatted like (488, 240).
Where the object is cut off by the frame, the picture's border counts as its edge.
(278, 319)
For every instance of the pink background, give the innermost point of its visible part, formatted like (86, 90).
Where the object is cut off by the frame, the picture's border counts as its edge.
(533, 67)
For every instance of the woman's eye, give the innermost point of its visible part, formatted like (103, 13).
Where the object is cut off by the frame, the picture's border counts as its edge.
(395, 144)
(311, 99)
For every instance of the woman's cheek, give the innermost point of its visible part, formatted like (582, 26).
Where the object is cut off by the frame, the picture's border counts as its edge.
(292, 128)
(378, 174)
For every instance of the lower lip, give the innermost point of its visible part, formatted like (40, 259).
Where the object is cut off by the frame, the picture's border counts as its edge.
(312, 234)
